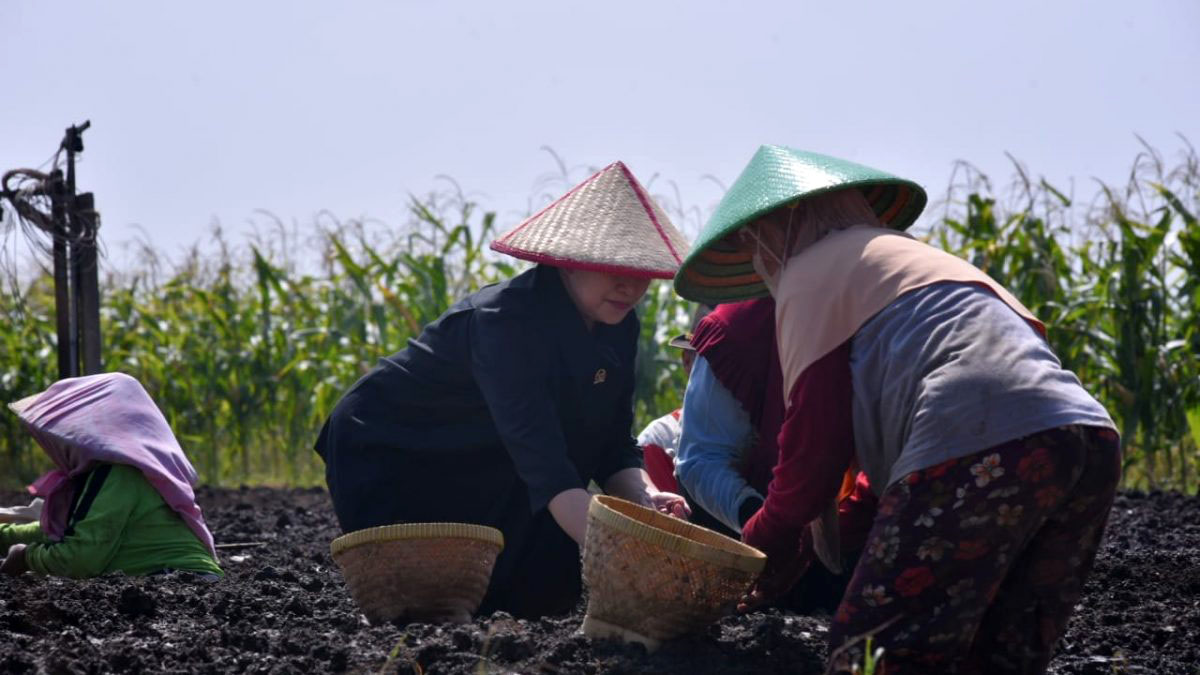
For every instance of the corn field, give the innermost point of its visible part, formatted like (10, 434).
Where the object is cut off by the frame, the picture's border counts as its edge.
(246, 346)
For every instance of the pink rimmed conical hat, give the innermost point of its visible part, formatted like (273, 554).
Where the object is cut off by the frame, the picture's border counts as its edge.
(607, 223)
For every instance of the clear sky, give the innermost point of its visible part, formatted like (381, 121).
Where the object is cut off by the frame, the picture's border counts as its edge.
(205, 112)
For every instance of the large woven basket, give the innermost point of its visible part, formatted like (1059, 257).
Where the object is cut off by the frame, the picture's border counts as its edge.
(652, 577)
(432, 572)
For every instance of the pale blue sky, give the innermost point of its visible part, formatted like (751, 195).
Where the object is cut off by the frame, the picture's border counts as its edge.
(208, 111)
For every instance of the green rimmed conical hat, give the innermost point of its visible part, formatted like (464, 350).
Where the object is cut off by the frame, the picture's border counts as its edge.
(717, 271)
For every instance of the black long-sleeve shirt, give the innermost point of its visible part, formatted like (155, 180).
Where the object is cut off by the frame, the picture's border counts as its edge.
(510, 370)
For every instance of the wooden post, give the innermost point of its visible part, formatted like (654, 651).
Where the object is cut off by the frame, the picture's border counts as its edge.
(78, 294)
(72, 224)
(88, 285)
(67, 363)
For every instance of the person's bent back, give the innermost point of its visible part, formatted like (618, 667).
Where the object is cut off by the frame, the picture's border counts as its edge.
(121, 496)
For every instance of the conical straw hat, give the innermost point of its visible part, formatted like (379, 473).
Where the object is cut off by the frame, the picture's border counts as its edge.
(607, 223)
(718, 271)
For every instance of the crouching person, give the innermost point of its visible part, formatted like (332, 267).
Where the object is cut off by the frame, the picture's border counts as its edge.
(504, 409)
(733, 411)
(121, 496)
(995, 469)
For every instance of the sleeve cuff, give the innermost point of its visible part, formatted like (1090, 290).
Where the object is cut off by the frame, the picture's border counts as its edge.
(771, 537)
(540, 498)
(20, 533)
(33, 559)
(749, 506)
(629, 457)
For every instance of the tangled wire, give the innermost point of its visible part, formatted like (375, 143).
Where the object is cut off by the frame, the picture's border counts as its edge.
(28, 192)
(29, 195)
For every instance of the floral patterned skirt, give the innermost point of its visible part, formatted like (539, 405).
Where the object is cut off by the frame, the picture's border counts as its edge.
(975, 565)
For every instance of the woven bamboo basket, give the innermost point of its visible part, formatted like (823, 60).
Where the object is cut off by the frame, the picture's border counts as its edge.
(652, 577)
(430, 572)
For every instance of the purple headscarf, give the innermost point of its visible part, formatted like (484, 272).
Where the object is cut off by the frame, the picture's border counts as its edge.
(107, 418)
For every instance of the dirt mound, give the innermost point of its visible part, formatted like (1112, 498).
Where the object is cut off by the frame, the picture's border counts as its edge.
(285, 608)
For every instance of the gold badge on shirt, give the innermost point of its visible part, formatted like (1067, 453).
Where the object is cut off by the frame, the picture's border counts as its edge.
(601, 375)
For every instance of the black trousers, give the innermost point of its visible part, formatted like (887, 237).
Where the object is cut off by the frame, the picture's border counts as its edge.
(374, 483)
(540, 575)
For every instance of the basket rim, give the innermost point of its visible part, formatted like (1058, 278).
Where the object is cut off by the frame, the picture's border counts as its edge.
(748, 559)
(402, 531)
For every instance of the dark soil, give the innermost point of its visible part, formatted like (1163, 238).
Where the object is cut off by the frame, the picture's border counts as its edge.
(284, 608)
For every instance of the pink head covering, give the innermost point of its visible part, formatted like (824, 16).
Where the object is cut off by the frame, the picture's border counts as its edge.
(107, 418)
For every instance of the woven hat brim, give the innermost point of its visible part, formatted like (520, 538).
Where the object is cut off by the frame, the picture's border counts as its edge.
(417, 531)
(724, 273)
(607, 223)
(714, 273)
(545, 259)
(712, 281)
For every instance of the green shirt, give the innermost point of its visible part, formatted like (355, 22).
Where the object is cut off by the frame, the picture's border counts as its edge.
(126, 527)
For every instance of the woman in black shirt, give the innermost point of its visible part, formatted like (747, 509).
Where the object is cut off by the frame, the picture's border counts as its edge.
(506, 406)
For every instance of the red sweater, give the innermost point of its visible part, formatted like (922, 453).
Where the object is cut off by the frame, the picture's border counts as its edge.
(738, 341)
(816, 447)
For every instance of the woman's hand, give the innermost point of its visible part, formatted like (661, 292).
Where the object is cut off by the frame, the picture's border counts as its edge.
(773, 583)
(668, 503)
(636, 486)
(14, 563)
(784, 568)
